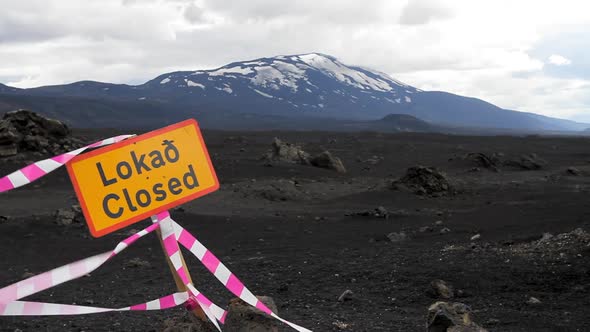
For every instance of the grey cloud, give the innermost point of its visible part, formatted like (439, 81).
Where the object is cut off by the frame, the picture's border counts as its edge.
(418, 12)
(325, 11)
(27, 29)
(194, 14)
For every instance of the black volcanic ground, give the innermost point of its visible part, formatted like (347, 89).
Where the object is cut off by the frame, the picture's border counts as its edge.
(290, 232)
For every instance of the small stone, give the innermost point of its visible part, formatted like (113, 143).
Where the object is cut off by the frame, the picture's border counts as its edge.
(441, 289)
(445, 230)
(533, 301)
(341, 325)
(137, 262)
(492, 321)
(397, 237)
(573, 171)
(345, 296)
(425, 229)
(438, 223)
(546, 237)
(64, 217)
(451, 316)
(4, 218)
(381, 212)
(476, 237)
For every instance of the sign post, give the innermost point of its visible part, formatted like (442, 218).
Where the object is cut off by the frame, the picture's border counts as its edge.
(197, 311)
(139, 177)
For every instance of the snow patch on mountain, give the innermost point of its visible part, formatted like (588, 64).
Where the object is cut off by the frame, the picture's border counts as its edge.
(271, 77)
(232, 70)
(343, 73)
(263, 94)
(225, 88)
(194, 84)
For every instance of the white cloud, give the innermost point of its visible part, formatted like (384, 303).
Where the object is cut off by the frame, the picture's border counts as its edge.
(478, 48)
(559, 60)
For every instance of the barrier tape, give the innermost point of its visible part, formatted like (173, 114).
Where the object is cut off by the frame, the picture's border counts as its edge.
(67, 272)
(25, 308)
(41, 168)
(172, 234)
(9, 295)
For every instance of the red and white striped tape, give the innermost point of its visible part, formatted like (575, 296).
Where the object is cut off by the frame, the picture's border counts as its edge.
(25, 308)
(38, 169)
(67, 272)
(172, 234)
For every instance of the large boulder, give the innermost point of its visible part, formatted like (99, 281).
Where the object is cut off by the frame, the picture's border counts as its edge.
(491, 162)
(26, 131)
(451, 317)
(326, 160)
(424, 181)
(291, 153)
(528, 162)
(287, 152)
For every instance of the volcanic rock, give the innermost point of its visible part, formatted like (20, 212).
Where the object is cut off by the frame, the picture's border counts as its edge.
(425, 229)
(451, 317)
(26, 131)
(445, 230)
(397, 237)
(66, 217)
(287, 152)
(291, 153)
(527, 162)
(423, 180)
(482, 160)
(378, 212)
(243, 317)
(441, 289)
(573, 171)
(345, 296)
(137, 262)
(533, 301)
(326, 160)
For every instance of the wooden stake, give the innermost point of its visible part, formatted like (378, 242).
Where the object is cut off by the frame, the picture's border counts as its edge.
(179, 284)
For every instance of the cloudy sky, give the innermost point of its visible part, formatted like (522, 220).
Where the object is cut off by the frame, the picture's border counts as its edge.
(524, 55)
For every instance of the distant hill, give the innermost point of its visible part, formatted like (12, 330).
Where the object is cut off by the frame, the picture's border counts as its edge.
(401, 122)
(290, 89)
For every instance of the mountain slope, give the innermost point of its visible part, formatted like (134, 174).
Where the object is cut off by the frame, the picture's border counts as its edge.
(306, 85)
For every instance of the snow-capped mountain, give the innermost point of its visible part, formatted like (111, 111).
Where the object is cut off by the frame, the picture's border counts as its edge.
(307, 83)
(296, 87)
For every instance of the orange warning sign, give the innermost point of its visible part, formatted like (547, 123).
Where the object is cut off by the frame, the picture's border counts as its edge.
(131, 180)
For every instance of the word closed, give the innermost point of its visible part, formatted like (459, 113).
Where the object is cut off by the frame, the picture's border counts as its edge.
(139, 177)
